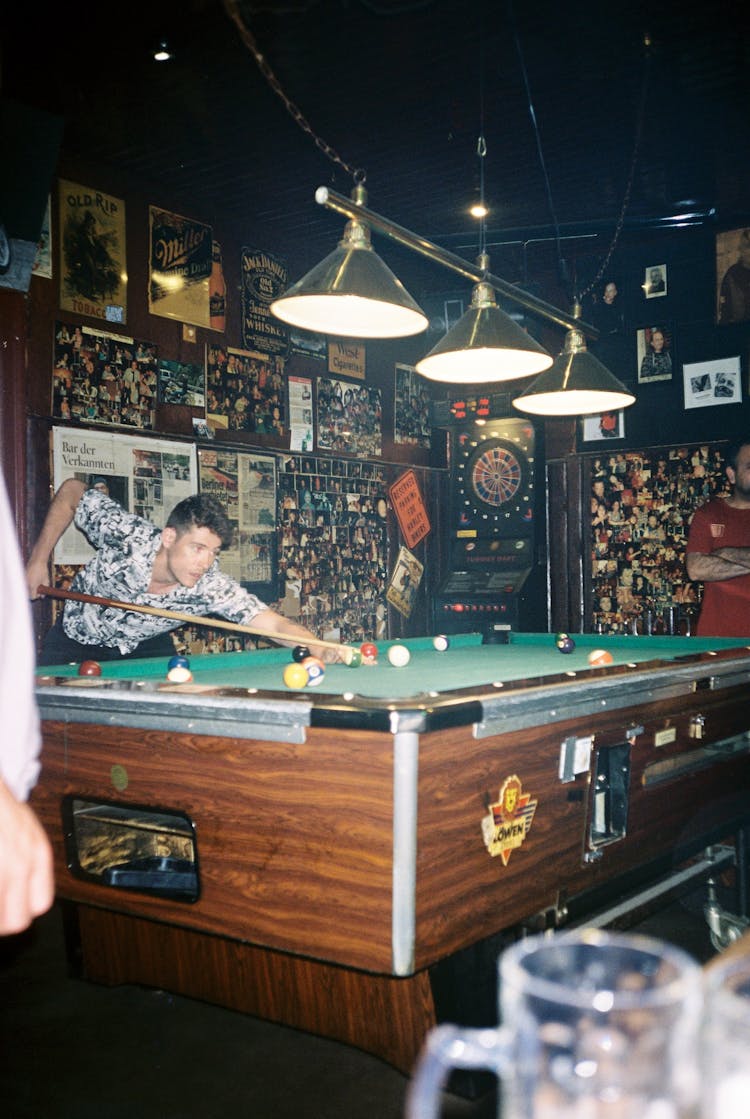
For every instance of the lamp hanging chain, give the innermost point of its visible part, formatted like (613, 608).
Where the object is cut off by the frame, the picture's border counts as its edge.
(232, 10)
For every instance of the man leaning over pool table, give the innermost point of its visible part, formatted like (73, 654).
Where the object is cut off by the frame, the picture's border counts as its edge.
(174, 568)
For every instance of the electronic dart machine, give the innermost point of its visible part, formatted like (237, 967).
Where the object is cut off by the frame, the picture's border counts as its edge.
(490, 550)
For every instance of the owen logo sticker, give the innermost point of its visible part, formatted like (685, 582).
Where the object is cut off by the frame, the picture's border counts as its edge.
(508, 820)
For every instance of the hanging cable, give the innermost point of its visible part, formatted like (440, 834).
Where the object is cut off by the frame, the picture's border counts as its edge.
(232, 9)
(537, 136)
(631, 175)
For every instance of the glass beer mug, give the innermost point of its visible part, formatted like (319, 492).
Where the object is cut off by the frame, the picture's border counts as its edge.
(594, 1025)
(726, 1037)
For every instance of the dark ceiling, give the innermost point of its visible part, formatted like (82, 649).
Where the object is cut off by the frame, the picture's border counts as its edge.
(403, 90)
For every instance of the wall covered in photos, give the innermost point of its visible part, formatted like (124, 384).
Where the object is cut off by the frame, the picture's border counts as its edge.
(332, 557)
(641, 506)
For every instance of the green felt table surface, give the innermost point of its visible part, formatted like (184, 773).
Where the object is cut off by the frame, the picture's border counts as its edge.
(466, 664)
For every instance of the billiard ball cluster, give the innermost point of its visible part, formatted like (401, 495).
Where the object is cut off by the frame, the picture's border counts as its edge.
(565, 643)
(307, 671)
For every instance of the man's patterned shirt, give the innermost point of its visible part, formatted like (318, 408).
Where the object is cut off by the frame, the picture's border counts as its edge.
(121, 569)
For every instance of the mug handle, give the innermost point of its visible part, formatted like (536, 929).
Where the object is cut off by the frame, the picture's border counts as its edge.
(452, 1047)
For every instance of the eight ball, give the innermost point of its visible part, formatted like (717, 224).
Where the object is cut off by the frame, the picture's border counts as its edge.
(299, 653)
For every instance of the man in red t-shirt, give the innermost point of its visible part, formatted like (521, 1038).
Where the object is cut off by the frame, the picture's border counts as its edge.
(718, 552)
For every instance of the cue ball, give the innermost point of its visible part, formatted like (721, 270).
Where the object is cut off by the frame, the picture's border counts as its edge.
(178, 662)
(399, 656)
(180, 674)
(315, 670)
(440, 642)
(565, 644)
(299, 653)
(599, 657)
(90, 668)
(295, 675)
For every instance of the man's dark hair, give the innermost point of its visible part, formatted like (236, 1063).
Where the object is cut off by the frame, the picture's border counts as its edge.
(201, 511)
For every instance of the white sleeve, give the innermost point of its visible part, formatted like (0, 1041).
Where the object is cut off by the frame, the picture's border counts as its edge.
(20, 739)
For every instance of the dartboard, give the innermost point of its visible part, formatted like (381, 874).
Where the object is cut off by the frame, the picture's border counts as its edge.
(494, 473)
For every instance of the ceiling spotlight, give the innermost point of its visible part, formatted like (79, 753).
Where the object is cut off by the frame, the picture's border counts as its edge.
(162, 52)
(478, 210)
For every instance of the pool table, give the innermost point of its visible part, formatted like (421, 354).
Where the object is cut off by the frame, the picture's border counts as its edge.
(324, 857)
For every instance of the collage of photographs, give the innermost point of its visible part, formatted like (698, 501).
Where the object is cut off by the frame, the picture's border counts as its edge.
(641, 506)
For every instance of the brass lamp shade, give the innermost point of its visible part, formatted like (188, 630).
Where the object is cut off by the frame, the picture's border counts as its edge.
(484, 345)
(577, 384)
(351, 293)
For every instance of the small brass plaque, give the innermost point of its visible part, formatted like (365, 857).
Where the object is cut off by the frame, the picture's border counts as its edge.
(664, 737)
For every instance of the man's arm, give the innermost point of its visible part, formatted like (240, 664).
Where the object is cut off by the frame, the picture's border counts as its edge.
(59, 515)
(26, 875)
(274, 623)
(724, 563)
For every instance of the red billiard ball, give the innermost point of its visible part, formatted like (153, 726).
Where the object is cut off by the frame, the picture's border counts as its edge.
(599, 657)
(89, 668)
(369, 652)
(299, 653)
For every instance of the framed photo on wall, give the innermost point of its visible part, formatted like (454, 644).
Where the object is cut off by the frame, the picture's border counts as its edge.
(655, 353)
(707, 383)
(655, 281)
(607, 425)
(733, 276)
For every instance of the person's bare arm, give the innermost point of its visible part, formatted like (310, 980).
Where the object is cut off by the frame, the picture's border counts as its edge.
(59, 515)
(275, 623)
(26, 872)
(724, 563)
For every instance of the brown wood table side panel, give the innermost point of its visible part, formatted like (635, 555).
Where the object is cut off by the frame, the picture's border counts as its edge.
(464, 894)
(294, 841)
(380, 1014)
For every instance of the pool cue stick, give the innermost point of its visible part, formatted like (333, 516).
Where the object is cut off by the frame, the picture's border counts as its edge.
(345, 651)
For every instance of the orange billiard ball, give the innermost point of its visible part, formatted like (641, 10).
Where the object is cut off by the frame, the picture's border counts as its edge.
(599, 657)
